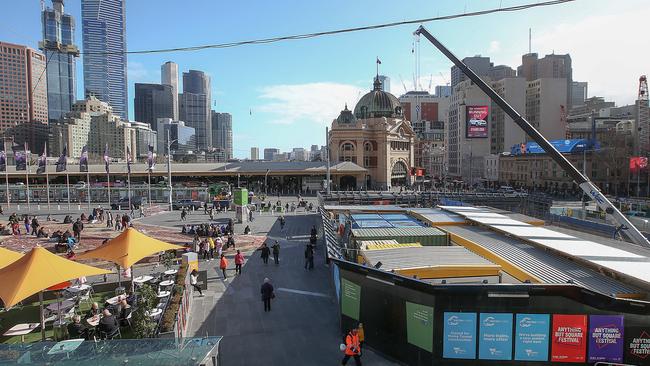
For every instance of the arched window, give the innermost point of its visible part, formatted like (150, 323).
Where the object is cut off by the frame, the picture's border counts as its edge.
(401, 132)
(368, 146)
(347, 152)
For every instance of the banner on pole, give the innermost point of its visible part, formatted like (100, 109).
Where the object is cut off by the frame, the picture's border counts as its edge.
(128, 160)
(62, 163)
(3, 161)
(42, 161)
(151, 158)
(20, 158)
(83, 160)
(107, 159)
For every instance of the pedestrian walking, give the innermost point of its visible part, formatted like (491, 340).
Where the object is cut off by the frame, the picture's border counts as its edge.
(194, 280)
(267, 294)
(309, 257)
(27, 224)
(276, 252)
(250, 215)
(239, 261)
(183, 214)
(282, 221)
(230, 242)
(77, 227)
(109, 220)
(265, 253)
(352, 348)
(35, 225)
(211, 247)
(203, 252)
(362, 334)
(223, 264)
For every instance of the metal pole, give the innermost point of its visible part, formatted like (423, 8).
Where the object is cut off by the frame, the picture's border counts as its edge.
(327, 150)
(108, 185)
(6, 174)
(169, 169)
(149, 186)
(47, 185)
(67, 184)
(585, 184)
(88, 185)
(128, 185)
(29, 206)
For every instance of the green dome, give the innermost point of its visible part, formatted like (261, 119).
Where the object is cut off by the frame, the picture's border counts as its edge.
(378, 103)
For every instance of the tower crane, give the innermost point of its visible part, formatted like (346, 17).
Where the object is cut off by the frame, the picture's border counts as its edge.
(624, 225)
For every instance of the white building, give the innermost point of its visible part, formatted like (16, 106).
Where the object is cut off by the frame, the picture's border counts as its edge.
(545, 102)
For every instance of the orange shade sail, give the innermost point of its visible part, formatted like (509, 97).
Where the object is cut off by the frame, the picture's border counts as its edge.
(128, 248)
(8, 256)
(36, 271)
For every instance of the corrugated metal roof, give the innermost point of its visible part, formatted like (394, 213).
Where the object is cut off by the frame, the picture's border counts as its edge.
(423, 257)
(546, 266)
(436, 216)
(364, 208)
(593, 253)
(393, 232)
(366, 245)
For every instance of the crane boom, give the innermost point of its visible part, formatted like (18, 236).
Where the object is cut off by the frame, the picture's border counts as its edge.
(583, 182)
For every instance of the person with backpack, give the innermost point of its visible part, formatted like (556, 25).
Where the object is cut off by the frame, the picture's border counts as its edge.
(352, 348)
(276, 252)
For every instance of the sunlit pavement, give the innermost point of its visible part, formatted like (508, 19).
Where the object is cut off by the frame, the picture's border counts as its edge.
(303, 326)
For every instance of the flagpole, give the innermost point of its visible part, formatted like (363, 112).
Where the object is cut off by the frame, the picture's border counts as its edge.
(29, 205)
(108, 185)
(7, 174)
(47, 179)
(67, 184)
(128, 180)
(149, 185)
(88, 184)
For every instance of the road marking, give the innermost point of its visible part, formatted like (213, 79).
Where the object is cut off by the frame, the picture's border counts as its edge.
(318, 294)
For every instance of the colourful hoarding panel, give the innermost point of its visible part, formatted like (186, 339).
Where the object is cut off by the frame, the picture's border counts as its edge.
(569, 338)
(606, 338)
(419, 325)
(477, 121)
(637, 344)
(350, 298)
(531, 337)
(495, 336)
(459, 332)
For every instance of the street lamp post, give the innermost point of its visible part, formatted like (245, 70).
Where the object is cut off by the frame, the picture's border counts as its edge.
(169, 168)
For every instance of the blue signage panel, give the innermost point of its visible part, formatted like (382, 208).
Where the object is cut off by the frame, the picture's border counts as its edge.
(531, 337)
(495, 336)
(459, 335)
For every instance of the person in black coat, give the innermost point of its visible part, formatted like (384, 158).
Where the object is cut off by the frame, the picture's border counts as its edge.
(266, 252)
(267, 294)
(77, 330)
(108, 325)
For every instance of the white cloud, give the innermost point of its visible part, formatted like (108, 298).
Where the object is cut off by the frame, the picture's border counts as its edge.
(495, 47)
(609, 51)
(137, 72)
(314, 102)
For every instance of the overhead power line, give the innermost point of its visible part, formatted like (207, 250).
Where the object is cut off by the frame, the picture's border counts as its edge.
(338, 31)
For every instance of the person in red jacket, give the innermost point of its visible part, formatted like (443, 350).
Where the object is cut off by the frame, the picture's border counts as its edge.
(352, 348)
(239, 261)
(223, 264)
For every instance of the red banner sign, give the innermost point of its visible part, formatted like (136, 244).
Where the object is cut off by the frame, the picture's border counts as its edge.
(569, 338)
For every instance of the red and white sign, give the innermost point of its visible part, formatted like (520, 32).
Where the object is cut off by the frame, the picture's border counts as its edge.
(569, 338)
(477, 121)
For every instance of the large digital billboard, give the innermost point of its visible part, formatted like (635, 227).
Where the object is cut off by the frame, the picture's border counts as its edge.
(606, 338)
(569, 338)
(477, 121)
(459, 332)
(495, 336)
(531, 339)
(419, 325)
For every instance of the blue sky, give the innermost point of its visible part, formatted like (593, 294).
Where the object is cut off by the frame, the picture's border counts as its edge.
(295, 88)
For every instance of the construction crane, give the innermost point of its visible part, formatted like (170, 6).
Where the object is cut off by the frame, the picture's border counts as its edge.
(430, 83)
(404, 85)
(643, 114)
(625, 226)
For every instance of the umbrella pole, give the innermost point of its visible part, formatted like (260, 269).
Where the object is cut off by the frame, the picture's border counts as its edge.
(42, 315)
(119, 277)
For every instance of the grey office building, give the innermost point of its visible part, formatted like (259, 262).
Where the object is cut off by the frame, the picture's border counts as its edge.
(182, 137)
(194, 106)
(222, 133)
(269, 153)
(480, 65)
(104, 44)
(153, 101)
(60, 52)
(169, 76)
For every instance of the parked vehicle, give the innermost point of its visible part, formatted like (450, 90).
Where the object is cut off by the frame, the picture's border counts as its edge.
(187, 203)
(123, 203)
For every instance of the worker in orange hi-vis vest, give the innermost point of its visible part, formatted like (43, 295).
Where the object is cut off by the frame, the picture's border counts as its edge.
(352, 348)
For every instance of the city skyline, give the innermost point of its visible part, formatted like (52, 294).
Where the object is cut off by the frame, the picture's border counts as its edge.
(275, 89)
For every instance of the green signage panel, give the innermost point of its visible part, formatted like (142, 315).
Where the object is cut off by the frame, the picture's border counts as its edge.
(350, 298)
(241, 196)
(419, 325)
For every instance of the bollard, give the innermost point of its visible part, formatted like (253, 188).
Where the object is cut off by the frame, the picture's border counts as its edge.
(17, 207)
(78, 207)
(58, 207)
(38, 207)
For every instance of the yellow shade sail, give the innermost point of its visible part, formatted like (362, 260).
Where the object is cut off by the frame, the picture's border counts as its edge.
(36, 271)
(8, 256)
(128, 248)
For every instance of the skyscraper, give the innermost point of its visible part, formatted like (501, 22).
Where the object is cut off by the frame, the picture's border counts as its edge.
(255, 153)
(550, 66)
(169, 76)
(385, 83)
(61, 52)
(194, 106)
(23, 86)
(222, 133)
(153, 101)
(104, 46)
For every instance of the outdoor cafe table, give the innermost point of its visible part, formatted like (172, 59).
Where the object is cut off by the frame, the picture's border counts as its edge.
(21, 330)
(93, 321)
(166, 283)
(115, 299)
(78, 288)
(170, 272)
(62, 305)
(163, 294)
(155, 312)
(142, 279)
